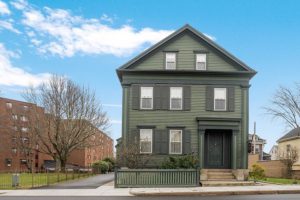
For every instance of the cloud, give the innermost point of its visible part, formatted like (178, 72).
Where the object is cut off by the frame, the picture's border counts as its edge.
(116, 122)
(213, 38)
(4, 9)
(112, 105)
(19, 4)
(14, 76)
(63, 34)
(8, 25)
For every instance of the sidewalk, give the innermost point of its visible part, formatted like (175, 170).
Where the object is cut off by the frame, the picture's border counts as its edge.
(109, 190)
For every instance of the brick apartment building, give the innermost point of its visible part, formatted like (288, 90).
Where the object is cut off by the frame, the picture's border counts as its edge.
(15, 137)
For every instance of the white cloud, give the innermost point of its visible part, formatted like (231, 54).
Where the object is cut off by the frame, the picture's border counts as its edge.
(19, 4)
(106, 18)
(8, 25)
(4, 9)
(213, 38)
(14, 76)
(116, 122)
(112, 105)
(64, 34)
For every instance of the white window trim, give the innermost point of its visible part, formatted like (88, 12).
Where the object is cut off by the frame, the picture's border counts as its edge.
(142, 98)
(170, 142)
(151, 141)
(204, 62)
(225, 108)
(181, 99)
(166, 66)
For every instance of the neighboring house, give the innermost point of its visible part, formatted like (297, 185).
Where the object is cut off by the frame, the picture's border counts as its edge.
(289, 141)
(274, 152)
(18, 143)
(257, 145)
(184, 95)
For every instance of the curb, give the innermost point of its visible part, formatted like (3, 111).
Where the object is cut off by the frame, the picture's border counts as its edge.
(222, 193)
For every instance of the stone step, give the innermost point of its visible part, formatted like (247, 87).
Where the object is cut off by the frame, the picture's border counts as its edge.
(225, 176)
(214, 183)
(219, 170)
(220, 173)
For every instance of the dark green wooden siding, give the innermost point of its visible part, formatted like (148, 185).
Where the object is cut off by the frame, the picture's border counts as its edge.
(186, 45)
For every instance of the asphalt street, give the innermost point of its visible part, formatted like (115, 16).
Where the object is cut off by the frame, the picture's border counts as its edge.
(249, 197)
(86, 183)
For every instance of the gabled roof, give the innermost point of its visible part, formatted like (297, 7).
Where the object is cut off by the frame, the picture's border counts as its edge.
(187, 27)
(293, 134)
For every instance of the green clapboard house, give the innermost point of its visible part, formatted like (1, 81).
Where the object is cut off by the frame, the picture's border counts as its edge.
(186, 94)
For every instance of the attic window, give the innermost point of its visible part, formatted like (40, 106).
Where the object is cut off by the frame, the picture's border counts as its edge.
(170, 60)
(200, 61)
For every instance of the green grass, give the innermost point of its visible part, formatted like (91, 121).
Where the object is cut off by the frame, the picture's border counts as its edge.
(28, 180)
(284, 181)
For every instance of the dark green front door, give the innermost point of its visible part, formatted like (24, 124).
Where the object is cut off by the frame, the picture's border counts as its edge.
(217, 149)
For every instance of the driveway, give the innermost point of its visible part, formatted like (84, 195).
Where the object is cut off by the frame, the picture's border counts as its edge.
(85, 183)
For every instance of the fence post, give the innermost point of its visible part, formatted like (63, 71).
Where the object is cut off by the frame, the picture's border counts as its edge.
(47, 177)
(198, 176)
(116, 177)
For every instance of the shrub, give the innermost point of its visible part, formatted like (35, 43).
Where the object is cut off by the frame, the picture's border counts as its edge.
(101, 167)
(111, 162)
(181, 162)
(257, 172)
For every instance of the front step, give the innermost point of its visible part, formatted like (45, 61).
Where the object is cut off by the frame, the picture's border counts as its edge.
(226, 183)
(220, 174)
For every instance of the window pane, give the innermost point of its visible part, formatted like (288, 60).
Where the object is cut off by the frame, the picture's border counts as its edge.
(146, 92)
(146, 140)
(220, 104)
(201, 57)
(170, 60)
(176, 92)
(176, 97)
(176, 103)
(175, 141)
(201, 66)
(220, 93)
(220, 98)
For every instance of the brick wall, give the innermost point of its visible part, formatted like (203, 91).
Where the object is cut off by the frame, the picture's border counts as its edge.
(273, 168)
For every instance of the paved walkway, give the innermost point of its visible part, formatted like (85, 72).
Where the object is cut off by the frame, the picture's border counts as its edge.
(86, 183)
(109, 190)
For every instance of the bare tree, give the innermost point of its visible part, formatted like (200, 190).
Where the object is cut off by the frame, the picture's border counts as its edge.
(289, 157)
(130, 156)
(285, 105)
(72, 116)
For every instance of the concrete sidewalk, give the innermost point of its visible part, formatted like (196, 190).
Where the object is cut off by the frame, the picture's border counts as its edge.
(109, 190)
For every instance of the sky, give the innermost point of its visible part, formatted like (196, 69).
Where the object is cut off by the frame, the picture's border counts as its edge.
(88, 40)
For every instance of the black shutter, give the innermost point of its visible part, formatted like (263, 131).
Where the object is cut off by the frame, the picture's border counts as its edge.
(135, 92)
(186, 141)
(231, 98)
(165, 97)
(157, 97)
(134, 137)
(187, 98)
(164, 143)
(209, 98)
(156, 141)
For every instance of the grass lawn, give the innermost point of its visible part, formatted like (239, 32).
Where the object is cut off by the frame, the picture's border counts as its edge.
(28, 180)
(282, 181)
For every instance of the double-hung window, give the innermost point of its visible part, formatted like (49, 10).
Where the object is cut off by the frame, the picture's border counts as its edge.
(171, 61)
(175, 98)
(220, 99)
(200, 61)
(146, 98)
(146, 140)
(175, 146)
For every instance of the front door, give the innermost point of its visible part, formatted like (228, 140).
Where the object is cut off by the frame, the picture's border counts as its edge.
(217, 149)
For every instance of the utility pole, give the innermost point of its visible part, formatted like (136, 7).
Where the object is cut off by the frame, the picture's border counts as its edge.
(254, 139)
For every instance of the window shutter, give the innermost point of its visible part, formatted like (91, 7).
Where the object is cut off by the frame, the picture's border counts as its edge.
(164, 142)
(186, 142)
(165, 97)
(187, 98)
(157, 97)
(134, 137)
(231, 98)
(135, 89)
(156, 141)
(209, 98)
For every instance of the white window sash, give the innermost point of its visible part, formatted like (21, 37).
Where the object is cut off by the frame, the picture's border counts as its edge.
(175, 141)
(146, 95)
(200, 58)
(219, 96)
(176, 95)
(142, 140)
(170, 58)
